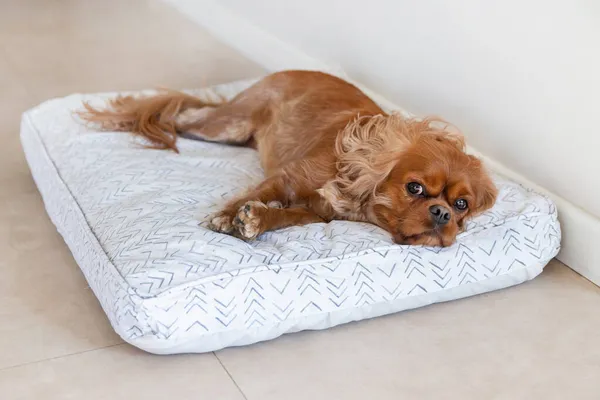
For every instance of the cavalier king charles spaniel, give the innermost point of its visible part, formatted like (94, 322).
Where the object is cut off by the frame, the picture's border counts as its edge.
(328, 151)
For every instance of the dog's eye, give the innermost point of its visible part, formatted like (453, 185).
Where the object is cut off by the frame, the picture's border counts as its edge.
(415, 188)
(461, 204)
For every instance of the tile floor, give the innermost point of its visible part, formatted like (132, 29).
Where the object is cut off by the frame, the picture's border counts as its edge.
(540, 340)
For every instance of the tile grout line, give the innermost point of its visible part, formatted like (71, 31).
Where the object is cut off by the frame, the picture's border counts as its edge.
(2, 369)
(230, 376)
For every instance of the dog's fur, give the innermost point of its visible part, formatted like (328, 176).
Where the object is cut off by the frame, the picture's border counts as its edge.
(328, 152)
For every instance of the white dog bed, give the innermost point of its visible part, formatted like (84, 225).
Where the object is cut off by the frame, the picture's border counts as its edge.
(130, 217)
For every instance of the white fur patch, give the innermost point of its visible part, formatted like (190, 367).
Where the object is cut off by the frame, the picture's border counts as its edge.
(193, 115)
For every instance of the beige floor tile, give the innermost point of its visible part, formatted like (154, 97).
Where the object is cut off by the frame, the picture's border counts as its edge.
(118, 45)
(14, 99)
(120, 372)
(46, 307)
(535, 341)
(26, 16)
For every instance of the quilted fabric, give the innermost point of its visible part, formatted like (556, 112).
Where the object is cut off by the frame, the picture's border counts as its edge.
(130, 216)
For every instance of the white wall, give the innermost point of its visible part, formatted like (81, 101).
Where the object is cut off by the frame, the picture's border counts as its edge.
(520, 77)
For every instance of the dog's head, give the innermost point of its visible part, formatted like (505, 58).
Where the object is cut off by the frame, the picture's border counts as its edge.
(411, 178)
(431, 191)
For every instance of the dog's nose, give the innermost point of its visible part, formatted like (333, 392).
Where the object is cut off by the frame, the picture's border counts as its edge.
(439, 214)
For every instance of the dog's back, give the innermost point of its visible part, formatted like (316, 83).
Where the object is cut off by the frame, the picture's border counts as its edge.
(287, 115)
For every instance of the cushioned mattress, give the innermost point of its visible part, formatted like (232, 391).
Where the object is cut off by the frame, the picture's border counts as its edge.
(168, 285)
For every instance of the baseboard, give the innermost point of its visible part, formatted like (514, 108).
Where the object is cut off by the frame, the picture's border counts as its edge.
(580, 249)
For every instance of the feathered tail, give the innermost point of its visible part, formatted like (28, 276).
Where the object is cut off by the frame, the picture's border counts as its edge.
(153, 117)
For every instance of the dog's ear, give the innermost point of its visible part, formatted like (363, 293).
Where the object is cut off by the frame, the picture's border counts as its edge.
(485, 190)
(367, 150)
(486, 194)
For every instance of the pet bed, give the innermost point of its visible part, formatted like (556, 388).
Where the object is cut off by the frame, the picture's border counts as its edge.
(130, 217)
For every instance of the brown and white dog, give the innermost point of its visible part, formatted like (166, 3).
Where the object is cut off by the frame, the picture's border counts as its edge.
(328, 152)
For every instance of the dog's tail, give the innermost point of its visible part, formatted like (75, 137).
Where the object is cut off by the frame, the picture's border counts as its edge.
(152, 117)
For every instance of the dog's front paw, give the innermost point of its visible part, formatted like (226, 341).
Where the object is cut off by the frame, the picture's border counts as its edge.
(222, 222)
(248, 219)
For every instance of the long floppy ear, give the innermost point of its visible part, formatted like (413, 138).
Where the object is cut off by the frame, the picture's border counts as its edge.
(485, 190)
(367, 150)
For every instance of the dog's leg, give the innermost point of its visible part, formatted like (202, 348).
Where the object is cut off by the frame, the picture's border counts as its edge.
(213, 128)
(232, 123)
(296, 182)
(255, 217)
(273, 189)
(191, 117)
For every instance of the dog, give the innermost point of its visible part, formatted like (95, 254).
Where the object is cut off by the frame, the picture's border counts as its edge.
(328, 151)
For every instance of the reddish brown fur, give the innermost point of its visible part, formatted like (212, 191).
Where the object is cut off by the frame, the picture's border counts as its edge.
(328, 152)
(151, 117)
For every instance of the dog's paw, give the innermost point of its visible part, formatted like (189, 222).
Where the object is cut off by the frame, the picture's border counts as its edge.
(248, 219)
(221, 222)
(275, 204)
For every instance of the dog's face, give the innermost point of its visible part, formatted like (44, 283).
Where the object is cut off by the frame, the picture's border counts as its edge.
(409, 176)
(431, 191)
